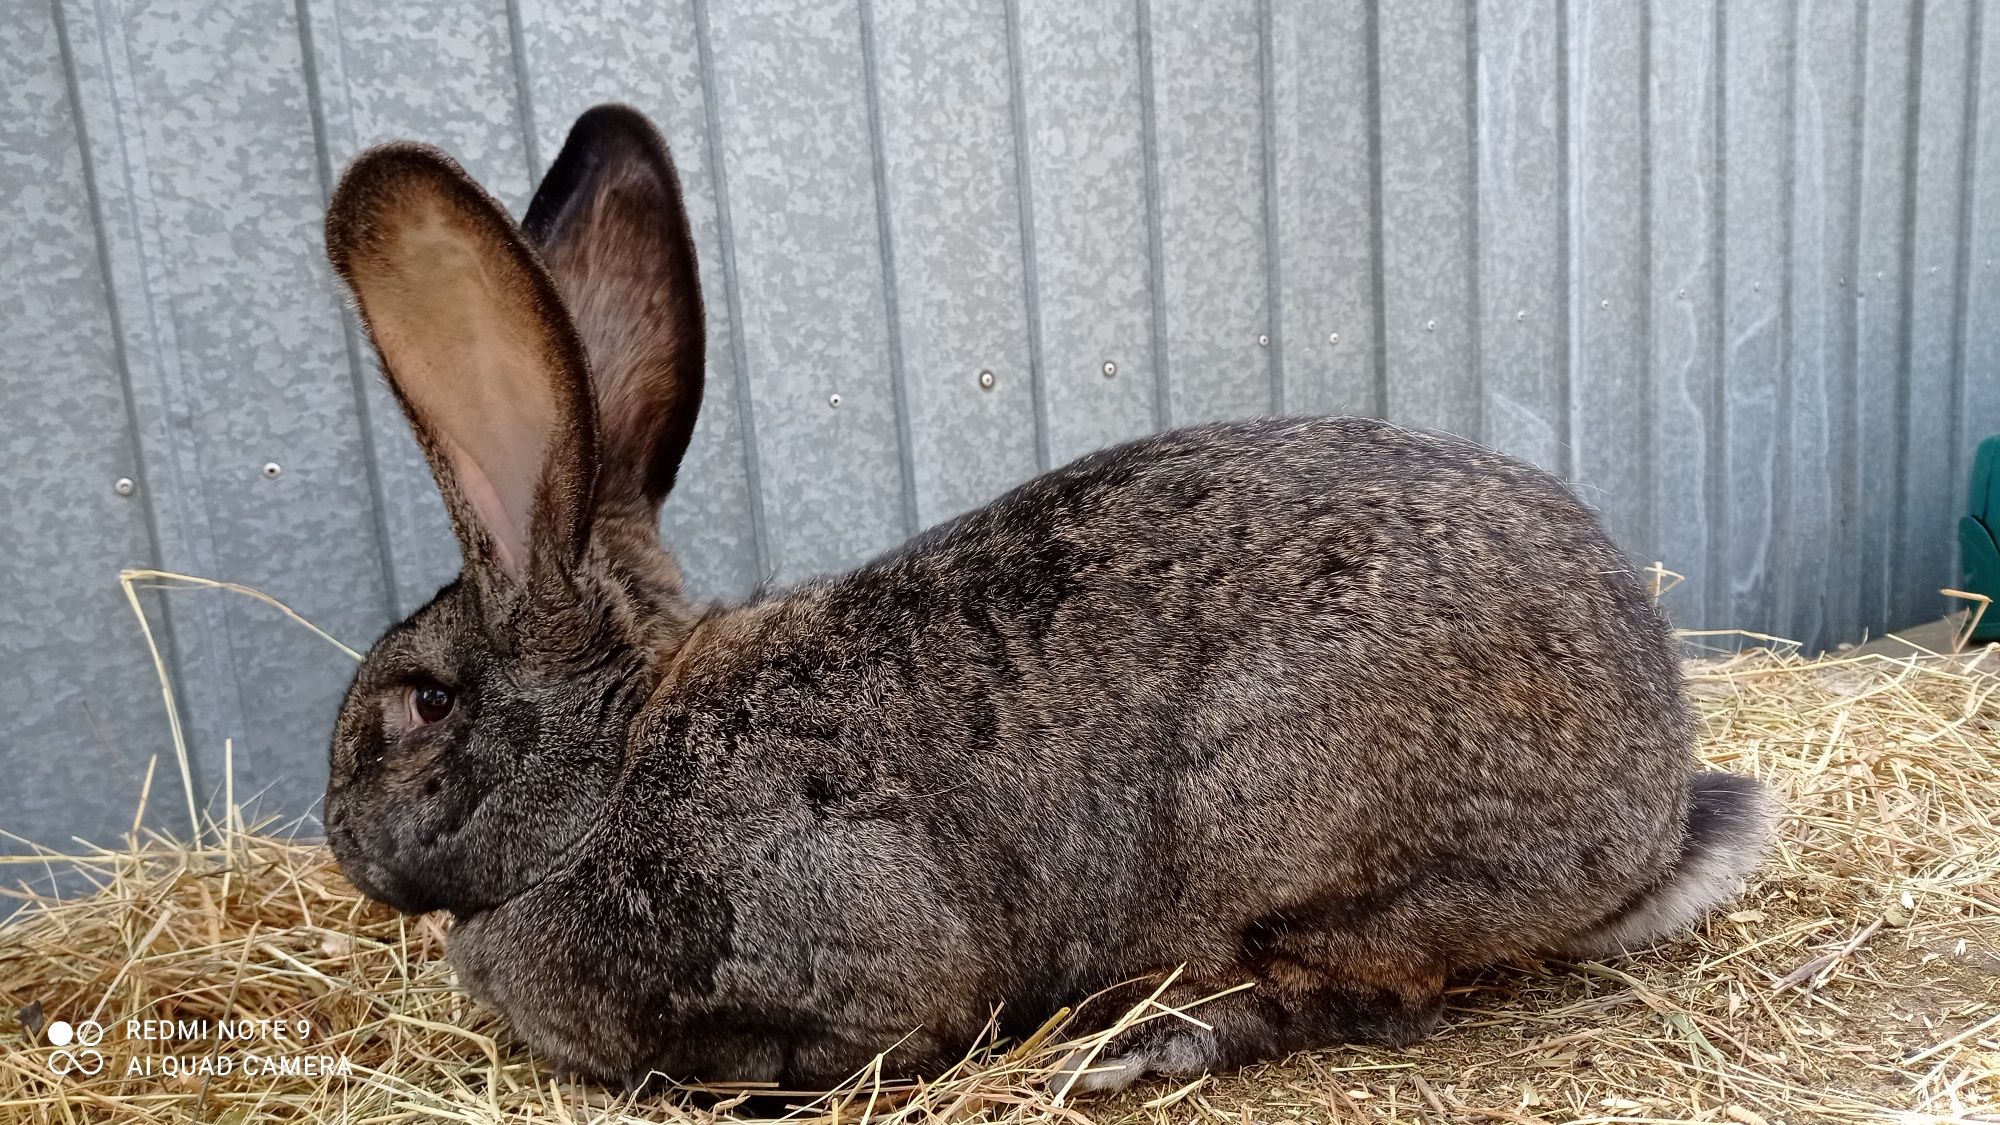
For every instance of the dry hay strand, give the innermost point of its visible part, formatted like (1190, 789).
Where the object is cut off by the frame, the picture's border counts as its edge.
(1858, 979)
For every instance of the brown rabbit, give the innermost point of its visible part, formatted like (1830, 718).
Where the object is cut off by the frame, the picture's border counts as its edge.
(1327, 707)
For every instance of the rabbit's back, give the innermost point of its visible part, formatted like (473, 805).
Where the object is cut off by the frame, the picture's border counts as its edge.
(1355, 667)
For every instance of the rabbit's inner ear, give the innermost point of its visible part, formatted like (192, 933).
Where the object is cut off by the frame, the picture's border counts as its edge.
(610, 223)
(479, 350)
(472, 376)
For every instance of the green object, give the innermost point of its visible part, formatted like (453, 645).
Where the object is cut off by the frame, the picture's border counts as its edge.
(1979, 536)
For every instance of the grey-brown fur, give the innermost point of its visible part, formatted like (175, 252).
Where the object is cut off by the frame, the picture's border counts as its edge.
(1326, 705)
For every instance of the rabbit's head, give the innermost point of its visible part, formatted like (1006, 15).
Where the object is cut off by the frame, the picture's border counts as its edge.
(551, 372)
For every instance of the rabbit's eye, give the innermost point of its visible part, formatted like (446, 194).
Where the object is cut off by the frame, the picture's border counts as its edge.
(430, 703)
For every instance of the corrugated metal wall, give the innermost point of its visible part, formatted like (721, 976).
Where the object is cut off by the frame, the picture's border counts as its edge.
(1730, 268)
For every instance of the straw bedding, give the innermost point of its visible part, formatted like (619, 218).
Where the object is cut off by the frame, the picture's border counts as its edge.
(1858, 979)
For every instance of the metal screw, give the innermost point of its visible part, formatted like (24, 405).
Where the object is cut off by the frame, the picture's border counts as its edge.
(985, 380)
(1843, 281)
(1263, 341)
(1933, 269)
(1878, 275)
(271, 470)
(1683, 294)
(1110, 369)
(1430, 326)
(1605, 303)
(1520, 314)
(833, 400)
(124, 486)
(1333, 337)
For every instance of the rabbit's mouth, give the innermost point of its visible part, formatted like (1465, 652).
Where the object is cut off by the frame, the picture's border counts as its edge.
(418, 867)
(375, 881)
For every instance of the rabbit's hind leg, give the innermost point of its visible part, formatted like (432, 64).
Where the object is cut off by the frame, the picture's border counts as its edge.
(1194, 1030)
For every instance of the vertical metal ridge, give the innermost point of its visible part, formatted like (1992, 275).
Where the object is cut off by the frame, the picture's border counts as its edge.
(1567, 241)
(1968, 174)
(1565, 248)
(1785, 592)
(95, 201)
(1892, 555)
(1474, 290)
(899, 394)
(357, 367)
(732, 288)
(196, 534)
(1156, 259)
(1714, 472)
(1379, 350)
(524, 94)
(315, 104)
(93, 198)
(1847, 470)
(1024, 198)
(1274, 281)
(171, 650)
(1649, 406)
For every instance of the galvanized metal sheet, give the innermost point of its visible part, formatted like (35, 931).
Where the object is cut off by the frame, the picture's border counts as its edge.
(1428, 219)
(1208, 135)
(1523, 231)
(1814, 602)
(1610, 418)
(945, 155)
(1077, 77)
(1105, 206)
(1684, 247)
(1756, 114)
(1934, 464)
(1881, 320)
(200, 132)
(807, 242)
(80, 708)
(1321, 131)
(1980, 371)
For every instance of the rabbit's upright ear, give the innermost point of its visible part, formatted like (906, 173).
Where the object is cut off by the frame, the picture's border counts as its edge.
(483, 357)
(609, 221)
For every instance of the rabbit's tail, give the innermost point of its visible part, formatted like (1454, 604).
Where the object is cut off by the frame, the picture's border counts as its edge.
(1730, 820)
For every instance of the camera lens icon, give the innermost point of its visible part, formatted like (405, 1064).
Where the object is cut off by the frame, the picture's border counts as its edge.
(84, 1060)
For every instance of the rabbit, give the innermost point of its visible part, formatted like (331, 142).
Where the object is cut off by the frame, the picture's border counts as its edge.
(1318, 710)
